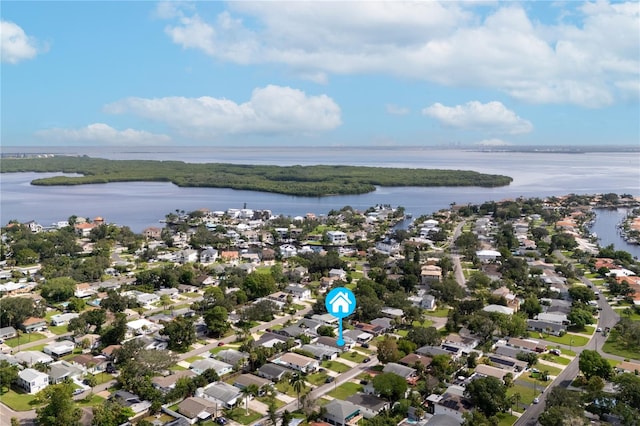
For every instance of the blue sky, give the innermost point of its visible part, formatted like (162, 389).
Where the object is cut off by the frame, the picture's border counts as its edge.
(320, 73)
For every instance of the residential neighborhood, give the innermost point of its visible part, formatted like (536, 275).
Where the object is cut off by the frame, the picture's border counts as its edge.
(503, 313)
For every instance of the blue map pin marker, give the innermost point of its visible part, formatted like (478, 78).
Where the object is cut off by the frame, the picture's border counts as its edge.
(340, 302)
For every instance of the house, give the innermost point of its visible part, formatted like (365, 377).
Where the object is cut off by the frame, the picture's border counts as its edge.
(428, 302)
(165, 383)
(499, 309)
(131, 400)
(298, 292)
(222, 393)
(507, 363)
(198, 409)
(385, 324)
(152, 233)
(490, 371)
(84, 229)
(430, 274)
(32, 381)
(31, 358)
(108, 351)
(232, 357)
(399, 370)
(463, 342)
(325, 319)
(370, 405)
(8, 332)
(393, 313)
(32, 324)
(332, 343)
(273, 372)
(487, 256)
(84, 290)
(62, 319)
(553, 328)
(59, 349)
(321, 352)
(246, 380)
(142, 326)
(554, 318)
(530, 345)
(340, 303)
(337, 237)
(201, 365)
(338, 274)
(91, 364)
(208, 255)
(451, 403)
(269, 339)
(297, 362)
(187, 256)
(342, 413)
(61, 370)
(357, 336)
(288, 250)
(413, 359)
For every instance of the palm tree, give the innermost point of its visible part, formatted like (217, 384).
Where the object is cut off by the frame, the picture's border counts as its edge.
(515, 399)
(297, 382)
(248, 391)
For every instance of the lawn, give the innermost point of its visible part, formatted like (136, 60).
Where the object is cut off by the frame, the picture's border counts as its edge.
(93, 401)
(612, 347)
(505, 419)
(532, 378)
(557, 359)
(613, 362)
(178, 368)
(267, 400)
(587, 329)
(283, 386)
(345, 390)
(193, 359)
(526, 393)
(58, 329)
(18, 401)
(238, 415)
(402, 333)
(24, 338)
(564, 340)
(353, 356)
(553, 371)
(440, 313)
(336, 366)
(317, 379)
(633, 317)
(425, 323)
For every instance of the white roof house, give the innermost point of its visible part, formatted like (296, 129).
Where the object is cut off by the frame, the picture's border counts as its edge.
(59, 349)
(488, 255)
(142, 326)
(32, 380)
(498, 308)
(30, 358)
(62, 319)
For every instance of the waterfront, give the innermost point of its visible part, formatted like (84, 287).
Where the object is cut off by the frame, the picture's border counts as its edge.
(606, 228)
(141, 204)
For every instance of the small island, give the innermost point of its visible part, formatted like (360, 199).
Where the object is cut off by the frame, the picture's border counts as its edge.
(307, 181)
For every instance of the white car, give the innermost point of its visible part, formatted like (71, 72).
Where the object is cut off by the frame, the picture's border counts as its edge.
(536, 400)
(599, 329)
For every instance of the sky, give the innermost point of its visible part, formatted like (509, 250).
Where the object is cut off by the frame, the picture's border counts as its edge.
(319, 73)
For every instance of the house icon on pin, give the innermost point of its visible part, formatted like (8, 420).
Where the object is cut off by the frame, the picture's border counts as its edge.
(340, 303)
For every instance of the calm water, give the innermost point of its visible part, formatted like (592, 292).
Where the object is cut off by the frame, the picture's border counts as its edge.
(605, 227)
(142, 204)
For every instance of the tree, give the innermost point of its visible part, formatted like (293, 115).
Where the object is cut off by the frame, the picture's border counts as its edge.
(8, 374)
(60, 409)
(297, 382)
(14, 310)
(217, 322)
(591, 363)
(326, 330)
(110, 413)
(477, 418)
(56, 290)
(580, 317)
(258, 284)
(488, 394)
(286, 418)
(390, 386)
(388, 350)
(115, 333)
(422, 336)
(563, 407)
(531, 305)
(248, 391)
(581, 293)
(181, 333)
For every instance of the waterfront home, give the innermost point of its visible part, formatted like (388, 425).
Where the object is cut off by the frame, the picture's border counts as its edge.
(32, 381)
(152, 233)
(341, 413)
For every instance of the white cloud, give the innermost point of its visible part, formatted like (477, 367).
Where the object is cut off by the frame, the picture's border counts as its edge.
(492, 117)
(271, 110)
(100, 133)
(16, 45)
(451, 43)
(397, 110)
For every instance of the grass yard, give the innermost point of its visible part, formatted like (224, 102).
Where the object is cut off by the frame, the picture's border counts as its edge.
(283, 386)
(336, 366)
(613, 362)
(345, 390)
(402, 333)
(557, 359)
(24, 338)
(267, 400)
(567, 352)
(526, 393)
(425, 323)
(317, 379)
(505, 419)
(533, 378)
(18, 401)
(612, 347)
(92, 401)
(564, 340)
(353, 356)
(633, 317)
(178, 368)
(440, 313)
(239, 415)
(587, 329)
(553, 371)
(193, 359)
(58, 329)
(191, 295)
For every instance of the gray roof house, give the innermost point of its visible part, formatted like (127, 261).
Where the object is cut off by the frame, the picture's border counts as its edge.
(221, 392)
(197, 408)
(342, 413)
(31, 358)
(7, 332)
(399, 369)
(131, 400)
(59, 371)
(370, 405)
(201, 365)
(245, 380)
(321, 352)
(232, 356)
(273, 372)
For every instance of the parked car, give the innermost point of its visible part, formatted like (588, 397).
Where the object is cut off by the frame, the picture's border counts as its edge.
(365, 345)
(599, 329)
(367, 359)
(220, 343)
(536, 400)
(330, 379)
(221, 420)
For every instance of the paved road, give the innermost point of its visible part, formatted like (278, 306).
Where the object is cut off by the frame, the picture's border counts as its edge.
(457, 265)
(608, 318)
